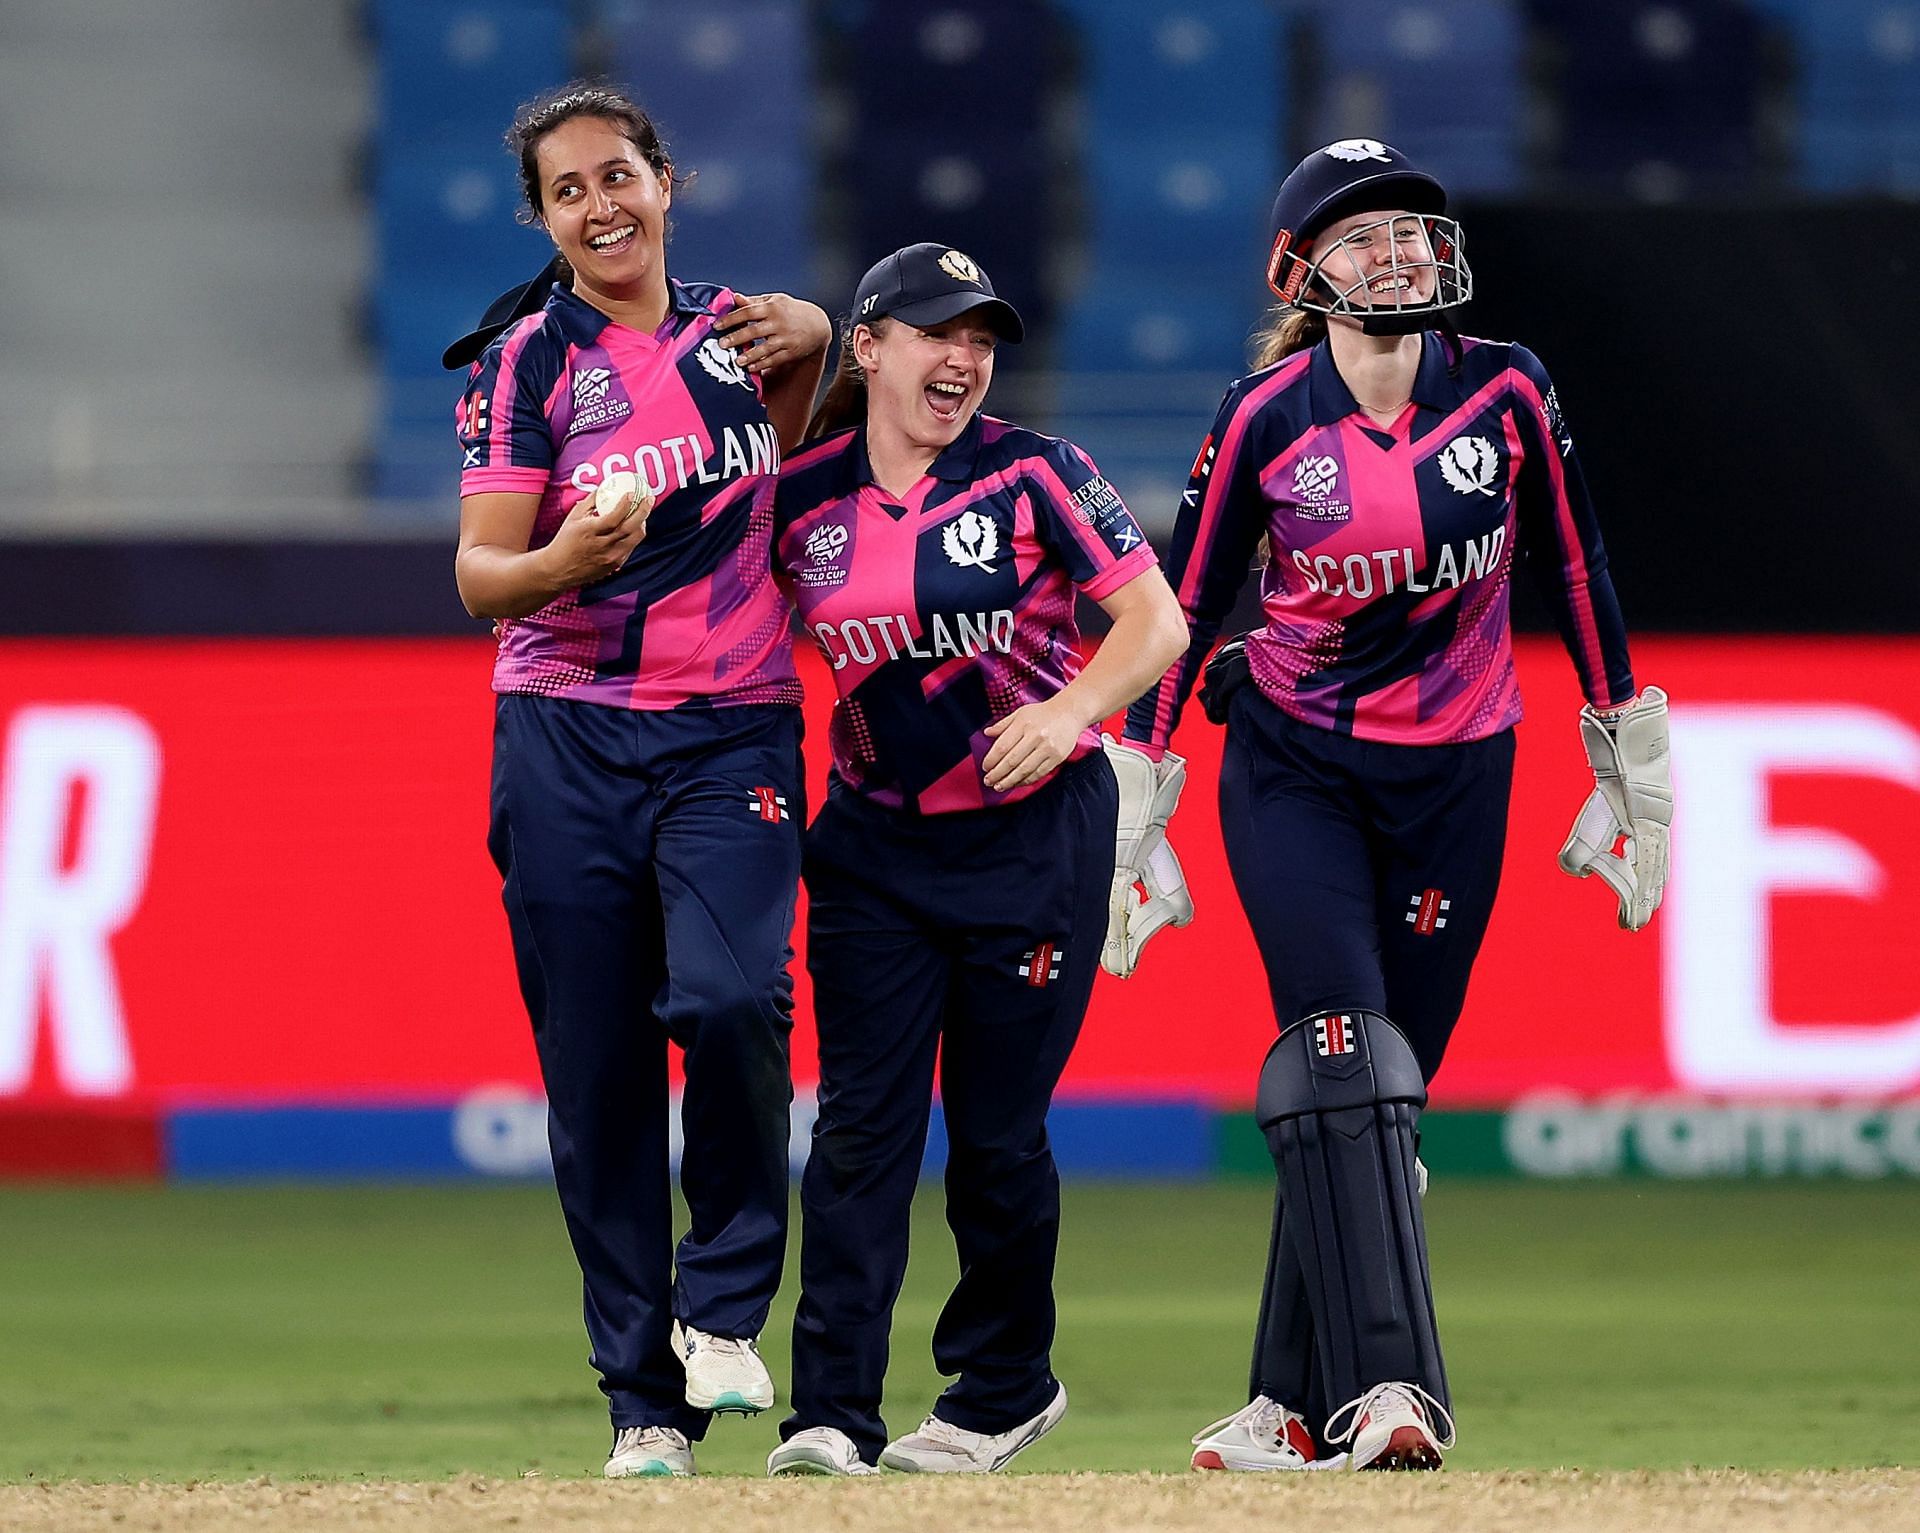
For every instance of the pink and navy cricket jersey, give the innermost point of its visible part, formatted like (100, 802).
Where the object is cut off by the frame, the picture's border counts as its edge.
(1391, 548)
(943, 611)
(693, 619)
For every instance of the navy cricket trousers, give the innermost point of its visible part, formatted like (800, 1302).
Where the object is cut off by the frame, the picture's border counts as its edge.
(975, 935)
(651, 864)
(1368, 873)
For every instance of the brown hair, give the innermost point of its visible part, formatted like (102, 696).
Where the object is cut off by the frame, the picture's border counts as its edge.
(583, 98)
(1285, 331)
(845, 403)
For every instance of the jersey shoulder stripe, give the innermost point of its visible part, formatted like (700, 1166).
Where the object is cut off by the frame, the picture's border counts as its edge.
(716, 296)
(1482, 360)
(812, 478)
(814, 454)
(533, 349)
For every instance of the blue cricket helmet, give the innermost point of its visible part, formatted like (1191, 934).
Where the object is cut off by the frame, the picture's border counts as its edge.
(1358, 175)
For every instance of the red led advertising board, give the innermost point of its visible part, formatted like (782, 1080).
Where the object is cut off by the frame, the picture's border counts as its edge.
(245, 871)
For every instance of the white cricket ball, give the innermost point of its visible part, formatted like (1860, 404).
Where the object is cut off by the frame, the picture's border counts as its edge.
(614, 493)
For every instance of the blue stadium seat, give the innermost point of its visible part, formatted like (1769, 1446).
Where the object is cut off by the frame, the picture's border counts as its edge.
(1194, 205)
(415, 315)
(740, 69)
(1859, 93)
(746, 220)
(451, 207)
(983, 195)
(455, 66)
(414, 454)
(730, 85)
(1122, 322)
(1440, 79)
(1173, 196)
(926, 62)
(949, 136)
(1223, 63)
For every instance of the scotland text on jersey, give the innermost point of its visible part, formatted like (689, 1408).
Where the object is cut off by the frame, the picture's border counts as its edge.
(744, 450)
(970, 634)
(1353, 576)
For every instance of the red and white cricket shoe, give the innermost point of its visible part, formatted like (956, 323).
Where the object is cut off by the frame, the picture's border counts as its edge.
(1261, 1435)
(1393, 1426)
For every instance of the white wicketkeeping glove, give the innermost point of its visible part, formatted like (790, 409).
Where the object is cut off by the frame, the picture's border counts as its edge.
(1149, 790)
(1632, 797)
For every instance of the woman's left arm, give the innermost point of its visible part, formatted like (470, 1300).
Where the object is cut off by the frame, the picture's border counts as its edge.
(1149, 633)
(785, 340)
(1559, 538)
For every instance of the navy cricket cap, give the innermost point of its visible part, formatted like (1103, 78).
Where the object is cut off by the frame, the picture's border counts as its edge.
(928, 284)
(1355, 175)
(515, 303)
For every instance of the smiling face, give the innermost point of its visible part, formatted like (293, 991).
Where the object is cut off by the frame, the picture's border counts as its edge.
(1378, 260)
(925, 385)
(605, 208)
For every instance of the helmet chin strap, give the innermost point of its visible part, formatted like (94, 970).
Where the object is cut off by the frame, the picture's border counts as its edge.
(1399, 321)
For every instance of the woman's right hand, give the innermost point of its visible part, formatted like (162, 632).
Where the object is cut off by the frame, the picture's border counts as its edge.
(592, 544)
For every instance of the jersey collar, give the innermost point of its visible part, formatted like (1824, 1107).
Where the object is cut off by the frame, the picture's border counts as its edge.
(1433, 387)
(955, 463)
(581, 323)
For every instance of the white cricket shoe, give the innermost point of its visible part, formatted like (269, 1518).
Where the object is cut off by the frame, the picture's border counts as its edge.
(818, 1450)
(648, 1451)
(1393, 1426)
(940, 1447)
(1262, 1435)
(724, 1373)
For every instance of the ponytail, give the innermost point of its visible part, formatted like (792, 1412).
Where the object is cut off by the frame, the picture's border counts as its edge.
(845, 403)
(1286, 331)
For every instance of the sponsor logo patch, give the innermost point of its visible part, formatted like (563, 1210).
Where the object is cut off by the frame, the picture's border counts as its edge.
(823, 548)
(1315, 479)
(594, 403)
(1198, 474)
(765, 804)
(1556, 422)
(1429, 910)
(1316, 476)
(824, 544)
(1041, 964)
(1094, 502)
(1332, 1035)
(1203, 460)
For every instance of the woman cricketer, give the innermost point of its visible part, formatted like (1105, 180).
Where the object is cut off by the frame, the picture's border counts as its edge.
(959, 872)
(647, 786)
(1393, 470)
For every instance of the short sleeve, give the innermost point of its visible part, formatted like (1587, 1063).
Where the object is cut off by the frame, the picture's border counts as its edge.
(1084, 521)
(506, 440)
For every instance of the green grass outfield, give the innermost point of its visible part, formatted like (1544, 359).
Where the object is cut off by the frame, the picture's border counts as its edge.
(414, 1333)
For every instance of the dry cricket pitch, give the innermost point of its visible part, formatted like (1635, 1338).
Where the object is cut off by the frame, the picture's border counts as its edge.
(1872, 1501)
